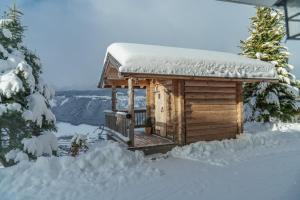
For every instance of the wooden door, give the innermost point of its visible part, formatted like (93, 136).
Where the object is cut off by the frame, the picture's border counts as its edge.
(160, 111)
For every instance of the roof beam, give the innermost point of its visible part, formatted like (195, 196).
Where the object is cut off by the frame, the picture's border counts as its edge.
(180, 77)
(109, 83)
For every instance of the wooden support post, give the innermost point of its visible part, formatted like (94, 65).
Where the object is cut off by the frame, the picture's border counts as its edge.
(131, 110)
(148, 100)
(174, 116)
(180, 111)
(152, 101)
(240, 109)
(113, 98)
(149, 106)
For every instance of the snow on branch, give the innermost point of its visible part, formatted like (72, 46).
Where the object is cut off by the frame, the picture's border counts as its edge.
(44, 144)
(4, 108)
(10, 84)
(38, 110)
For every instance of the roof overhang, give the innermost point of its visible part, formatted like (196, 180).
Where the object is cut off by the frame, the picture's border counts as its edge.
(111, 77)
(144, 62)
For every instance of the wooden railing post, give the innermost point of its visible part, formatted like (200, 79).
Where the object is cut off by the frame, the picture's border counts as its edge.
(113, 98)
(131, 110)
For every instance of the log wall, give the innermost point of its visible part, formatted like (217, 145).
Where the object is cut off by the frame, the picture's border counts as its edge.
(212, 110)
(197, 110)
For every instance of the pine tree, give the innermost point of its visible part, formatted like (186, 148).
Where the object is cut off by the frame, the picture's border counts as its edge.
(24, 97)
(14, 15)
(269, 101)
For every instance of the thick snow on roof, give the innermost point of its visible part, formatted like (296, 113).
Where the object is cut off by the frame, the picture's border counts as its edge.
(162, 60)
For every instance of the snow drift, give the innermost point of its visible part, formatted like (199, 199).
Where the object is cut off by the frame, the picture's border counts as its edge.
(109, 171)
(107, 165)
(258, 139)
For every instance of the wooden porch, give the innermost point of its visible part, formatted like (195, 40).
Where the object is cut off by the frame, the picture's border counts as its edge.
(141, 139)
(119, 129)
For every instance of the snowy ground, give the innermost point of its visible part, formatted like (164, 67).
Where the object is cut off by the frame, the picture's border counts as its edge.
(262, 164)
(66, 129)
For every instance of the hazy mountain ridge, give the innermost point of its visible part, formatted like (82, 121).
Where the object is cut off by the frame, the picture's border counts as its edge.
(87, 106)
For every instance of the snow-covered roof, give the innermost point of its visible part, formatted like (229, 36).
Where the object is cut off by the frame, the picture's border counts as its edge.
(162, 60)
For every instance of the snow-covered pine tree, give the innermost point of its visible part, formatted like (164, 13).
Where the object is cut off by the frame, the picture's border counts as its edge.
(14, 17)
(269, 101)
(25, 115)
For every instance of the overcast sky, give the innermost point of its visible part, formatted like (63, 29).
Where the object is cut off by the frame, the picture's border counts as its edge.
(71, 36)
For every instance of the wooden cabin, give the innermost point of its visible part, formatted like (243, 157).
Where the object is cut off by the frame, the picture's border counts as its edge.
(191, 95)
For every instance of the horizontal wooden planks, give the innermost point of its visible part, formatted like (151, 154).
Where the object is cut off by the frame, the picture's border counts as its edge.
(231, 114)
(199, 96)
(209, 107)
(210, 83)
(209, 126)
(211, 101)
(210, 110)
(212, 130)
(210, 119)
(224, 90)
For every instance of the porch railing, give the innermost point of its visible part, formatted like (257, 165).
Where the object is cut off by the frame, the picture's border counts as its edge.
(140, 117)
(119, 122)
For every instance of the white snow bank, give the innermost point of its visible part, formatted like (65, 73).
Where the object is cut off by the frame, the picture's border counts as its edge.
(66, 129)
(107, 166)
(150, 59)
(259, 139)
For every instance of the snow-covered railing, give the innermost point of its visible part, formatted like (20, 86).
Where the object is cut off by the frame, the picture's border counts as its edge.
(119, 123)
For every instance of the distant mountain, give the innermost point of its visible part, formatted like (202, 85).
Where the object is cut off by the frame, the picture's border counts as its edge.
(78, 107)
